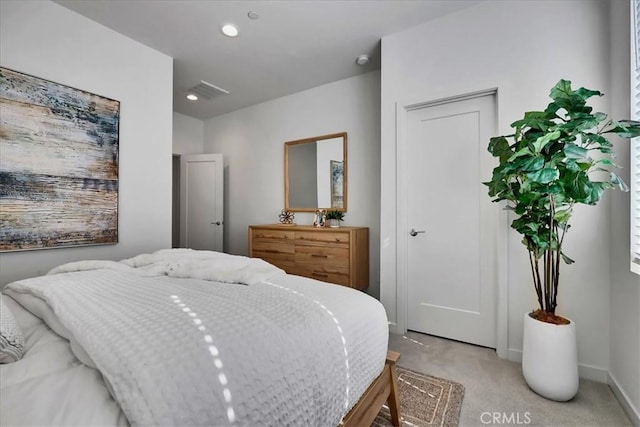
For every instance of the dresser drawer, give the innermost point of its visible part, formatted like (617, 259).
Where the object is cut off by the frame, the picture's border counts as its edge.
(325, 238)
(287, 266)
(322, 255)
(272, 235)
(281, 251)
(333, 274)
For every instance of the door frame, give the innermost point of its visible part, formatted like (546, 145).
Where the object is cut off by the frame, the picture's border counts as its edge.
(176, 191)
(402, 240)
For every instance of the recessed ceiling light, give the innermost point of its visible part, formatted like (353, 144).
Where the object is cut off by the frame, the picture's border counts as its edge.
(253, 15)
(192, 97)
(362, 60)
(229, 30)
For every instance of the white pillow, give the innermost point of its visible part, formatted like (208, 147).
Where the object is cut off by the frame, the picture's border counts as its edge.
(11, 339)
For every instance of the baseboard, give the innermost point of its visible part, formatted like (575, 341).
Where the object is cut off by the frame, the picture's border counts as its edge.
(625, 402)
(394, 328)
(586, 372)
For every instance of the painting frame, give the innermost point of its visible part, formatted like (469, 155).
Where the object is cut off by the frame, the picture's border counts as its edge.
(59, 165)
(336, 175)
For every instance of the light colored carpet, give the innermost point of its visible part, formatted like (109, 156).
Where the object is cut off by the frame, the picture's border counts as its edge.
(496, 386)
(424, 401)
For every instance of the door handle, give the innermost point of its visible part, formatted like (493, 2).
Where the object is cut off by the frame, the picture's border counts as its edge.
(216, 223)
(414, 232)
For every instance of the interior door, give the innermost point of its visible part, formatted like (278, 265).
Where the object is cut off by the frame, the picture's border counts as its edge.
(452, 242)
(201, 201)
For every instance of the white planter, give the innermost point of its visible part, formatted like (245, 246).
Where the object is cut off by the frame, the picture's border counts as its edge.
(550, 359)
(334, 223)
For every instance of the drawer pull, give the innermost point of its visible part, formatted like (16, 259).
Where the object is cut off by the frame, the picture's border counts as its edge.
(271, 236)
(320, 256)
(319, 274)
(271, 251)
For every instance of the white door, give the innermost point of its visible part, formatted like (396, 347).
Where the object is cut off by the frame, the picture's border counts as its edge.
(452, 242)
(201, 201)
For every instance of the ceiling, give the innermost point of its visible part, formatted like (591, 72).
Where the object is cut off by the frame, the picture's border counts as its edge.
(294, 45)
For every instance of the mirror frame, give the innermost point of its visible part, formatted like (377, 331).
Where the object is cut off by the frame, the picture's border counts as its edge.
(288, 144)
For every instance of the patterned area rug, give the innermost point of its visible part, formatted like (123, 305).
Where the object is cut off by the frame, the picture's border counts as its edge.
(425, 401)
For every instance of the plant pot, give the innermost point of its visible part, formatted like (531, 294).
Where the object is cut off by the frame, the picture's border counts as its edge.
(334, 223)
(550, 359)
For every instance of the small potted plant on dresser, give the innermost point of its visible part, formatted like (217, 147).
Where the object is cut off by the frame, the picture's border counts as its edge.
(554, 160)
(334, 217)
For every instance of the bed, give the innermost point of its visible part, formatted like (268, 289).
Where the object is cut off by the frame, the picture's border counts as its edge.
(182, 337)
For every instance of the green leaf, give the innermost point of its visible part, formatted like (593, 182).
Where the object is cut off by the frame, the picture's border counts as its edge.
(572, 165)
(552, 110)
(540, 241)
(616, 180)
(520, 208)
(625, 128)
(539, 120)
(531, 164)
(561, 90)
(528, 198)
(496, 187)
(587, 93)
(572, 151)
(578, 187)
(544, 176)
(499, 146)
(586, 123)
(520, 153)
(558, 192)
(596, 188)
(591, 138)
(543, 141)
(562, 216)
(566, 259)
(564, 226)
(584, 166)
(606, 162)
(604, 150)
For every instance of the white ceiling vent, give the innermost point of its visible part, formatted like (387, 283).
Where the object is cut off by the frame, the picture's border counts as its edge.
(207, 90)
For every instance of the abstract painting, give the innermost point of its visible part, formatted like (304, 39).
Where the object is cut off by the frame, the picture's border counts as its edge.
(337, 179)
(58, 165)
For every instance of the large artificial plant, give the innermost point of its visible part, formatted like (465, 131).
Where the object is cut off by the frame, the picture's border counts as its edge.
(555, 159)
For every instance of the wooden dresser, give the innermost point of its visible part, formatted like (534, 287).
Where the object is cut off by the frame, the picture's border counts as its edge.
(337, 255)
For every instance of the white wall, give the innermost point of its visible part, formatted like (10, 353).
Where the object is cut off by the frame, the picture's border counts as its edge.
(523, 48)
(188, 135)
(624, 369)
(252, 142)
(48, 41)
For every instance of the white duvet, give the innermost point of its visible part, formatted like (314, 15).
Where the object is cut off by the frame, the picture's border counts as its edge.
(198, 338)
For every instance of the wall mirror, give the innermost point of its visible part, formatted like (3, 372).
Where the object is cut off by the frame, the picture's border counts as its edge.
(315, 173)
